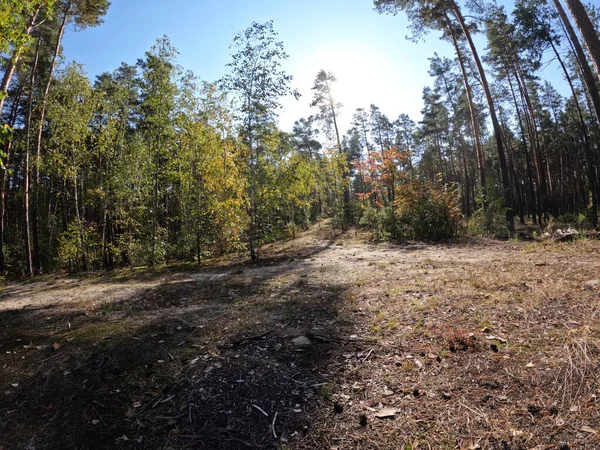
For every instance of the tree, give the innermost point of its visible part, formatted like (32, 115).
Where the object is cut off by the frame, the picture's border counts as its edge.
(305, 136)
(18, 18)
(157, 125)
(112, 128)
(258, 80)
(594, 94)
(212, 192)
(327, 106)
(535, 31)
(435, 14)
(587, 30)
(71, 111)
(328, 109)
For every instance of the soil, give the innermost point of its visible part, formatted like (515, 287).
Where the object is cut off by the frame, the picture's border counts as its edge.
(329, 342)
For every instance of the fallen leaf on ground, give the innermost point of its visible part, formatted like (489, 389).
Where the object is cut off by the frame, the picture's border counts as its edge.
(386, 413)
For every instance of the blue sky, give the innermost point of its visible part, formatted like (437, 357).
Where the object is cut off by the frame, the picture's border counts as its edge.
(367, 52)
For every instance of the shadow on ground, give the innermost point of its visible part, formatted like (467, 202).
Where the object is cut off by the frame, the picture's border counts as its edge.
(204, 360)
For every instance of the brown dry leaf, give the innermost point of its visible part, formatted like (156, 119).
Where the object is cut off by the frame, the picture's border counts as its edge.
(589, 429)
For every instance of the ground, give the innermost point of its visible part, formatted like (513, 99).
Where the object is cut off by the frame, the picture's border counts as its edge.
(330, 342)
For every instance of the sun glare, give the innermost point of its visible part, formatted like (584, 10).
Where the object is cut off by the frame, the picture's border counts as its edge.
(364, 77)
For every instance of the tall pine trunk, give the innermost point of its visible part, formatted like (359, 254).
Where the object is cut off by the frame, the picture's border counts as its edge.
(5, 172)
(495, 124)
(40, 131)
(472, 112)
(592, 88)
(28, 243)
(587, 30)
(346, 172)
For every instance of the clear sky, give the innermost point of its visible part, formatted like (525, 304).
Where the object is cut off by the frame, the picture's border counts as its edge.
(367, 52)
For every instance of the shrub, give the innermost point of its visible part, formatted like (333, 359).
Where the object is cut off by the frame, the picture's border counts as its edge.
(374, 220)
(422, 210)
(429, 210)
(488, 221)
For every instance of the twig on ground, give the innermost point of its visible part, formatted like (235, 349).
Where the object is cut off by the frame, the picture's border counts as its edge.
(257, 336)
(261, 410)
(368, 354)
(273, 426)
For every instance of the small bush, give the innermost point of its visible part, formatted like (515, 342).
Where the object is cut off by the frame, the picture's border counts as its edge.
(429, 210)
(373, 219)
(422, 211)
(579, 220)
(488, 221)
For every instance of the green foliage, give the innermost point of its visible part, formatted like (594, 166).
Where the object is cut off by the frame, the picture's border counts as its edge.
(71, 242)
(577, 219)
(15, 18)
(5, 136)
(489, 221)
(422, 211)
(376, 220)
(259, 81)
(429, 210)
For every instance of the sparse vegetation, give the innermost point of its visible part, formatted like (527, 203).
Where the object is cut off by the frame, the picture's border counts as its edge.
(491, 335)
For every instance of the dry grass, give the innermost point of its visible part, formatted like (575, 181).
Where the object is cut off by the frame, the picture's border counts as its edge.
(480, 345)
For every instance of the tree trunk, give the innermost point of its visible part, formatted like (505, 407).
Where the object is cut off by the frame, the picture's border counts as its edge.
(474, 123)
(532, 204)
(346, 172)
(28, 246)
(84, 262)
(590, 82)
(40, 130)
(7, 153)
(587, 148)
(586, 71)
(497, 130)
(587, 30)
(534, 141)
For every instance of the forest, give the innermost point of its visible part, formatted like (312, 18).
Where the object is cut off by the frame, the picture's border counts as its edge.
(177, 271)
(148, 164)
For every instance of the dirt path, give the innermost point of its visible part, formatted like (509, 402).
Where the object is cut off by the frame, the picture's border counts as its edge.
(483, 345)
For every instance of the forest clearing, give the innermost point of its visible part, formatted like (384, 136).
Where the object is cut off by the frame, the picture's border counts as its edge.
(328, 342)
(316, 224)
